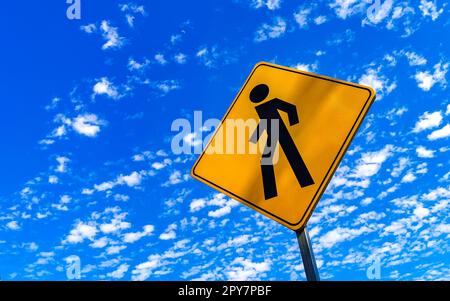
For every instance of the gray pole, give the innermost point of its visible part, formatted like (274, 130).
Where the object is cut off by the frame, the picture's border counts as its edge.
(309, 262)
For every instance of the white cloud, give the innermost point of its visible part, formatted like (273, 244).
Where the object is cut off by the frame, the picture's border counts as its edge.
(267, 31)
(370, 163)
(120, 272)
(448, 110)
(110, 222)
(377, 15)
(121, 197)
(441, 133)
(429, 9)
(197, 204)
(394, 113)
(30, 246)
(167, 86)
(219, 200)
(53, 179)
(130, 20)
(161, 165)
(161, 153)
(87, 124)
(174, 178)
(158, 165)
(414, 59)
(135, 65)
(443, 228)
(408, 178)
(81, 232)
(135, 236)
(100, 243)
(180, 58)
(397, 227)
(105, 87)
(111, 36)
(392, 61)
(339, 235)
(131, 11)
(87, 191)
(202, 52)
(138, 158)
(301, 17)
(400, 11)
(45, 258)
(59, 131)
(192, 139)
(132, 7)
(320, 20)
(423, 152)
(366, 201)
(160, 59)
(426, 79)
(90, 28)
(213, 56)
(368, 216)
(437, 193)
(144, 270)
(428, 121)
(175, 38)
(104, 186)
(347, 8)
(62, 164)
(46, 141)
(306, 67)
(115, 249)
(237, 241)
(422, 168)
(320, 53)
(242, 269)
(421, 212)
(378, 82)
(220, 212)
(65, 199)
(13, 225)
(169, 233)
(116, 224)
(132, 237)
(270, 4)
(131, 180)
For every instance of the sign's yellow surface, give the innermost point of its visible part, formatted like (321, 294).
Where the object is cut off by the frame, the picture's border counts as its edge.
(329, 114)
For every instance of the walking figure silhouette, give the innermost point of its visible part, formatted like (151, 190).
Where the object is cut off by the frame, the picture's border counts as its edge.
(268, 112)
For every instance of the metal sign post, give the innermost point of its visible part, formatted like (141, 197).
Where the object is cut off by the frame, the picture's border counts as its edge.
(309, 262)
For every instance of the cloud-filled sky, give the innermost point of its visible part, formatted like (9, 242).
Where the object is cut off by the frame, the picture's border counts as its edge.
(87, 166)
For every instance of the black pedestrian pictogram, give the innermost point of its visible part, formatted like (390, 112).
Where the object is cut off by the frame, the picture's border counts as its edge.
(267, 112)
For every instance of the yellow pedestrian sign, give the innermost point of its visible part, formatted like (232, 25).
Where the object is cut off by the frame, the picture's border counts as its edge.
(281, 140)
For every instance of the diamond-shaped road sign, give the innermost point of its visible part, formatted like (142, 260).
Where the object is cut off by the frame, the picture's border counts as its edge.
(301, 125)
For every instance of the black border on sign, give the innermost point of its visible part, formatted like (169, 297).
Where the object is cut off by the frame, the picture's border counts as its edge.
(339, 155)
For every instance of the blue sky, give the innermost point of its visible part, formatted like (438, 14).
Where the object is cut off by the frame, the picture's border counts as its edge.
(88, 171)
